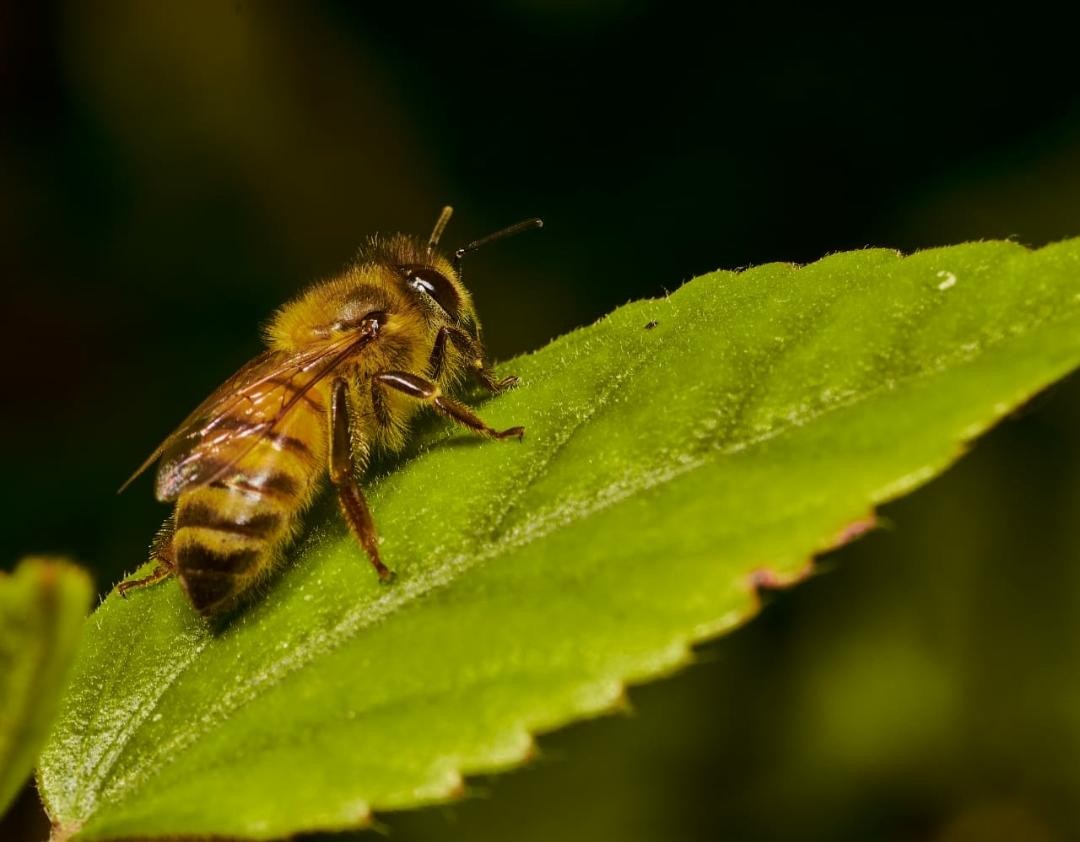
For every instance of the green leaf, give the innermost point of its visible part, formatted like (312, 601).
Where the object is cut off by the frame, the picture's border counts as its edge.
(42, 606)
(680, 453)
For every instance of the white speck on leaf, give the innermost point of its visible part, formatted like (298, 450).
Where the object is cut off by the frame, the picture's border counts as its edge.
(949, 280)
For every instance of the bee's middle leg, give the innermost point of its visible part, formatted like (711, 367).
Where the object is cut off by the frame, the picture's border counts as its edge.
(430, 393)
(353, 505)
(161, 551)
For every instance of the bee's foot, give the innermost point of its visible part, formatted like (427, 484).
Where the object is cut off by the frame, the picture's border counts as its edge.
(513, 433)
(494, 386)
(387, 576)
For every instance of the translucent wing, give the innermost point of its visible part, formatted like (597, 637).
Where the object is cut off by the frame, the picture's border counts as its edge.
(265, 390)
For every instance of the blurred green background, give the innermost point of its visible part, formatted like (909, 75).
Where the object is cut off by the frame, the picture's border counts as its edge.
(170, 173)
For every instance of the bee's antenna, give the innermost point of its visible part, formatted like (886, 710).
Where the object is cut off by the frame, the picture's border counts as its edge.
(517, 228)
(440, 225)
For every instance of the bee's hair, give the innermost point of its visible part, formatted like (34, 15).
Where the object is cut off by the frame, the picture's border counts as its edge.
(392, 250)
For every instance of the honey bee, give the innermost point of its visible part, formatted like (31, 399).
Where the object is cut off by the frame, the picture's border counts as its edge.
(348, 364)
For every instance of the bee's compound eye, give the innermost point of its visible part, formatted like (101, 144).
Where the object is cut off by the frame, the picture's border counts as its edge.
(433, 283)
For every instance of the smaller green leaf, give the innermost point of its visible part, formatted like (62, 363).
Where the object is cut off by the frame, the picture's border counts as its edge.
(42, 606)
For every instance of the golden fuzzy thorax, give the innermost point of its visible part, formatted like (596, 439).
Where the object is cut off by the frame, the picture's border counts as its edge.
(373, 282)
(407, 332)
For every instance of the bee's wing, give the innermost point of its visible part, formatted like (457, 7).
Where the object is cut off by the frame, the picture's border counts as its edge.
(190, 455)
(221, 400)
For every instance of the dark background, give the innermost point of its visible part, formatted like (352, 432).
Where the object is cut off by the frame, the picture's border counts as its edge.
(170, 174)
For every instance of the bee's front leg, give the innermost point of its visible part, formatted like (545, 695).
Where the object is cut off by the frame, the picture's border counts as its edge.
(353, 505)
(430, 393)
(474, 354)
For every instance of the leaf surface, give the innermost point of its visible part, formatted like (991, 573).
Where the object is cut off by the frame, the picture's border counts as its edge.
(680, 453)
(42, 606)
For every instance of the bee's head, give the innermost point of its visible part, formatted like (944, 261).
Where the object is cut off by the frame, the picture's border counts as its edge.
(387, 269)
(436, 282)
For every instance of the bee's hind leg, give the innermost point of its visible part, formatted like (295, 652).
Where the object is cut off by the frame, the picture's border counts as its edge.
(353, 505)
(161, 552)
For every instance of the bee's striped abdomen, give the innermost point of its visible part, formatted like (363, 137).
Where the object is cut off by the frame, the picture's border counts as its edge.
(228, 533)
